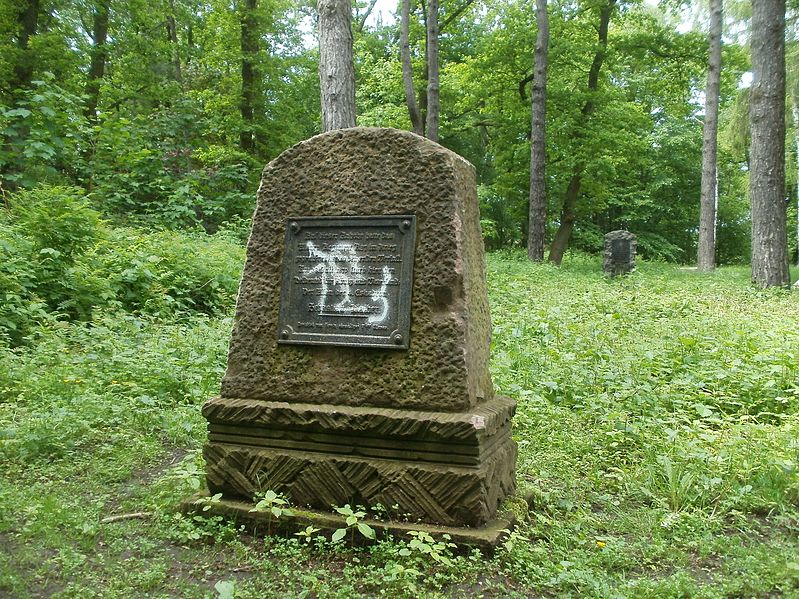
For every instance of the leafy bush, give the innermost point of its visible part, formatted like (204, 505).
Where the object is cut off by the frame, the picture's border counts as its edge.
(60, 261)
(145, 172)
(42, 134)
(20, 307)
(165, 273)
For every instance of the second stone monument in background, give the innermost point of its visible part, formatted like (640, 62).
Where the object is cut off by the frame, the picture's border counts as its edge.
(619, 253)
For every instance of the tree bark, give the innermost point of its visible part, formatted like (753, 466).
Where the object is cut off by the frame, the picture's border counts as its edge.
(172, 35)
(568, 214)
(249, 77)
(28, 24)
(407, 69)
(99, 55)
(431, 120)
(767, 157)
(538, 190)
(795, 114)
(706, 255)
(336, 70)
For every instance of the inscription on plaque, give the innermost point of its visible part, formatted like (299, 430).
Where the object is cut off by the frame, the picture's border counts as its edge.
(620, 250)
(347, 281)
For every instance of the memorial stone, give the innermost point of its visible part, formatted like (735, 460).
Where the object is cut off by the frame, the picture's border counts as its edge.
(619, 254)
(358, 364)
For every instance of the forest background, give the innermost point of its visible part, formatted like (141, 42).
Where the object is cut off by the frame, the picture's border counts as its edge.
(657, 412)
(162, 113)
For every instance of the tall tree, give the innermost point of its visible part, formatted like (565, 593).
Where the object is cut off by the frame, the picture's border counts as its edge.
(99, 56)
(433, 105)
(250, 81)
(27, 26)
(568, 214)
(407, 68)
(538, 191)
(767, 155)
(172, 36)
(336, 70)
(706, 255)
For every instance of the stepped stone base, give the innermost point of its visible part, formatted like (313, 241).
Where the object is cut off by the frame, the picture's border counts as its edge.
(486, 538)
(449, 469)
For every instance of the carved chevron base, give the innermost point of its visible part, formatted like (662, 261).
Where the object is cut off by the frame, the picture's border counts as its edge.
(439, 468)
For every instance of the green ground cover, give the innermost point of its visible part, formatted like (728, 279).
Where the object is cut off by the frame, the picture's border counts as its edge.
(658, 427)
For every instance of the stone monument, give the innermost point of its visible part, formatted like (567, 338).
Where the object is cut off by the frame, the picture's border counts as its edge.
(358, 364)
(619, 254)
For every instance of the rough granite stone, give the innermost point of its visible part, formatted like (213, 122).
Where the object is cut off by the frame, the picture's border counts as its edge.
(363, 172)
(619, 253)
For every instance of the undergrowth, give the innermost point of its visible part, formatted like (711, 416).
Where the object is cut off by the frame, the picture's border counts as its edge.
(657, 423)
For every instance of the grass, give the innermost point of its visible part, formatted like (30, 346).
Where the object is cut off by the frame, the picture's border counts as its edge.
(658, 426)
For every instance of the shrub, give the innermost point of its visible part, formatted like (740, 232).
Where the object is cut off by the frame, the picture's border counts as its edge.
(166, 273)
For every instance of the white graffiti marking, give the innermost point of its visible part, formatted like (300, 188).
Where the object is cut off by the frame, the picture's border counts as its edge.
(340, 267)
(380, 295)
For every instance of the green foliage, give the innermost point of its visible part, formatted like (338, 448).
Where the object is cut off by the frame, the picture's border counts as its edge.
(274, 506)
(60, 261)
(43, 131)
(48, 230)
(656, 423)
(353, 520)
(165, 273)
(424, 544)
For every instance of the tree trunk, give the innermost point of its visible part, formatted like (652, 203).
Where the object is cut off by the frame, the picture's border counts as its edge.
(795, 113)
(767, 171)
(336, 70)
(99, 55)
(568, 215)
(431, 121)
(28, 23)
(569, 211)
(172, 35)
(249, 77)
(706, 255)
(538, 191)
(407, 68)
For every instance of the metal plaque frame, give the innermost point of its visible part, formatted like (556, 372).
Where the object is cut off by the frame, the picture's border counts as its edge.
(347, 281)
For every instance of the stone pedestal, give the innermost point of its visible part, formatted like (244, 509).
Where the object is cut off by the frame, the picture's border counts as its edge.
(416, 429)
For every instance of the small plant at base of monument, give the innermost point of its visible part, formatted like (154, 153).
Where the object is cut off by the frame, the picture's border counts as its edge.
(353, 521)
(423, 543)
(308, 533)
(274, 506)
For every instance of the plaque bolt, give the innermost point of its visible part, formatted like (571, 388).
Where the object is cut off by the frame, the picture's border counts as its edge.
(295, 227)
(406, 224)
(284, 334)
(398, 339)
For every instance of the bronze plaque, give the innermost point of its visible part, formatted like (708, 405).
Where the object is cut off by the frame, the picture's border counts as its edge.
(347, 281)
(621, 251)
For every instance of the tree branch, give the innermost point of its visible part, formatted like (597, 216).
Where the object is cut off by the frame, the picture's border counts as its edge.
(455, 15)
(523, 85)
(362, 20)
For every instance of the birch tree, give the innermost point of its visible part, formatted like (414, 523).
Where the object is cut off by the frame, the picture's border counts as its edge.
(706, 256)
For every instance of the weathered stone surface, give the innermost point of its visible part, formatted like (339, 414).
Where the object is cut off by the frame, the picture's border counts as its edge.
(362, 171)
(417, 428)
(469, 427)
(444, 494)
(619, 253)
(486, 537)
(462, 439)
